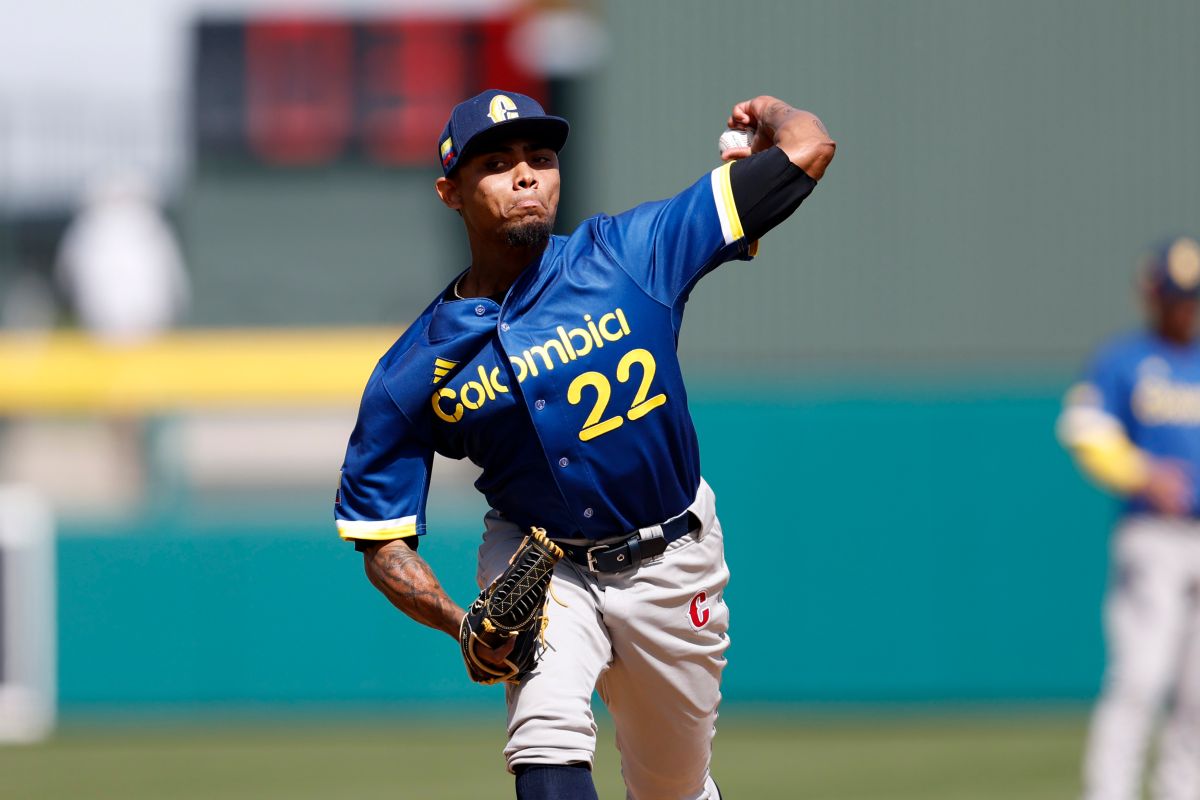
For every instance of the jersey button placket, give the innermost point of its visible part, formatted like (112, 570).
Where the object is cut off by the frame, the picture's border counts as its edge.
(480, 311)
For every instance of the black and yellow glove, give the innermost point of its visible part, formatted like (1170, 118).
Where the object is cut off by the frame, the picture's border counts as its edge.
(512, 607)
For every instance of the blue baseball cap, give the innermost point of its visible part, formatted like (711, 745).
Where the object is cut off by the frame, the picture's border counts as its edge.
(493, 110)
(1173, 268)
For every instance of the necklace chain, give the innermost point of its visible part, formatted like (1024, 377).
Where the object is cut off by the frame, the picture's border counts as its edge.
(456, 283)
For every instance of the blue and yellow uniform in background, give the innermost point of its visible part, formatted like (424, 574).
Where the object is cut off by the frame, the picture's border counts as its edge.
(1133, 425)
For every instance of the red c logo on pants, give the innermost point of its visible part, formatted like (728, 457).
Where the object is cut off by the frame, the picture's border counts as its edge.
(698, 610)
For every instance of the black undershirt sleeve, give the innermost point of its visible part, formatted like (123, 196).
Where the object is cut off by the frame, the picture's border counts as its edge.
(767, 188)
(362, 545)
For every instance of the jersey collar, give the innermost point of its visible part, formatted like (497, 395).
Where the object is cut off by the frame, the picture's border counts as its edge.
(456, 318)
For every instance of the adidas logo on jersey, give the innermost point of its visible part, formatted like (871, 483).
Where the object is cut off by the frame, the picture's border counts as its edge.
(441, 368)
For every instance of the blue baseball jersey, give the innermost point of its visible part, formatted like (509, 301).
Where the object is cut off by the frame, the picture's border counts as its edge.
(568, 394)
(1151, 387)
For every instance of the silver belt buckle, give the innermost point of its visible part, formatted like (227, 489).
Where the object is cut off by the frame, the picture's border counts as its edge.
(591, 561)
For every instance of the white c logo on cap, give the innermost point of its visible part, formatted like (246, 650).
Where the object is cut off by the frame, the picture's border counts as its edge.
(502, 108)
(1183, 262)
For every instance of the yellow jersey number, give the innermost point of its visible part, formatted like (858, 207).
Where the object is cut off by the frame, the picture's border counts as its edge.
(596, 423)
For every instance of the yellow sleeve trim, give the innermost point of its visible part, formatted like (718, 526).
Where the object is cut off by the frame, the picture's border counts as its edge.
(374, 534)
(1113, 461)
(727, 213)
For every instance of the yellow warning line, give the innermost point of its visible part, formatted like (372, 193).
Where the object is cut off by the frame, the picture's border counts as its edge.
(197, 369)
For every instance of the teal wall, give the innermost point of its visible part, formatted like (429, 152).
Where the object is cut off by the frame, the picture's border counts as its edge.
(924, 543)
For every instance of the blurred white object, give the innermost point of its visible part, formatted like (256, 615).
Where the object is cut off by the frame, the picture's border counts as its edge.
(559, 42)
(120, 264)
(28, 635)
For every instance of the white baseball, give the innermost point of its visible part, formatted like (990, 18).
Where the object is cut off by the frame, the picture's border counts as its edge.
(734, 139)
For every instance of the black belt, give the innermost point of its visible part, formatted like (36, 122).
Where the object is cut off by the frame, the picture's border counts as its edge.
(631, 551)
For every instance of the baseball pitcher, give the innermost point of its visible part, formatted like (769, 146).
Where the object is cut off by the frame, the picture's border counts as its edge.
(550, 362)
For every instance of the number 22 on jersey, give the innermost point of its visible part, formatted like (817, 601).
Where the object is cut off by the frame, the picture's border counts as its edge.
(596, 423)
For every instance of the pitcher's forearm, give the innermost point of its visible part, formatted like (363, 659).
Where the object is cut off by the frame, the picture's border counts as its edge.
(408, 582)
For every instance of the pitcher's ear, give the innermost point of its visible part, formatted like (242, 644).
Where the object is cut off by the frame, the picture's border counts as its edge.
(449, 193)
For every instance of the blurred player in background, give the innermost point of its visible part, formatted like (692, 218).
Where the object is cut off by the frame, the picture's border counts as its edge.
(121, 268)
(120, 264)
(550, 362)
(1133, 425)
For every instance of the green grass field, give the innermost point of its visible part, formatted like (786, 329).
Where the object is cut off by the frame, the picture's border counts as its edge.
(757, 758)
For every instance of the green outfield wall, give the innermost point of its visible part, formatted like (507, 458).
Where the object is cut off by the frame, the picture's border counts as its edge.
(924, 543)
(1001, 168)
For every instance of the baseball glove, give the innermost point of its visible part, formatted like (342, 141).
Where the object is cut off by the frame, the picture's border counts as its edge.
(513, 606)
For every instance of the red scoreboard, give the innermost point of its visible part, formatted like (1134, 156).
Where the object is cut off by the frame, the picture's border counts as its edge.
(315, 91)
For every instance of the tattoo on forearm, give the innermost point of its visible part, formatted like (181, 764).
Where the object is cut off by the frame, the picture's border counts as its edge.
(409, 583)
